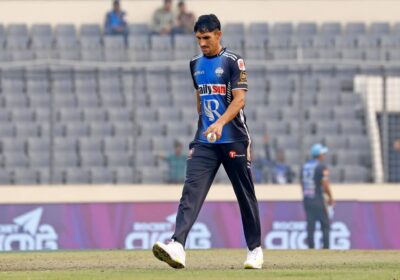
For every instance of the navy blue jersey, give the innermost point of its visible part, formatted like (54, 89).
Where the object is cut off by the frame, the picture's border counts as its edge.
(214, 78)
(312, 174)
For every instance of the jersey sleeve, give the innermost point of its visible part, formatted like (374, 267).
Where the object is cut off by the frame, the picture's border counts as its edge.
(238, 75)
(192, 63)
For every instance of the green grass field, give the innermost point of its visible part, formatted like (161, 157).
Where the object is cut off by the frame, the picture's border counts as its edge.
(208, 264)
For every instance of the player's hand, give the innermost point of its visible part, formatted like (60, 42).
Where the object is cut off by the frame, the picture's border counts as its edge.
(215, 128)
(331, 202)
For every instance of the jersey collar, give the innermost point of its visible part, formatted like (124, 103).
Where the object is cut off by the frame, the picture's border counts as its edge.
(218, 54)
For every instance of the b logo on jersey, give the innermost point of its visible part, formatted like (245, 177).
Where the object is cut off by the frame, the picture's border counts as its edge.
(210, 89)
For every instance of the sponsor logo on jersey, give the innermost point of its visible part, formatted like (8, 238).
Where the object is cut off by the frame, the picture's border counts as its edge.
(219, 71)
(209, 89)
(233, 154)
(199, 72)
(240, 63)
(144, 234)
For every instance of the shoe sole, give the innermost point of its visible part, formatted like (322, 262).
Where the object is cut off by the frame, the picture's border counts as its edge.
(163, 256)
(248, 266)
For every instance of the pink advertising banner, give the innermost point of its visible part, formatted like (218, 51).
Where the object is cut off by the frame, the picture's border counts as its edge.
(356, 225)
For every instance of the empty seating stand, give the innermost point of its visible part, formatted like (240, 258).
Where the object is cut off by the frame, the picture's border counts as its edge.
(109, 126)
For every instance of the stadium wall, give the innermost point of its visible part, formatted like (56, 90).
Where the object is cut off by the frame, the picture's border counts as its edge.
(134, 217)
(93, 11)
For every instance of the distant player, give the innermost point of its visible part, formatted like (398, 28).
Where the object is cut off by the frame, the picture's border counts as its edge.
(315, 184)
(220, 80)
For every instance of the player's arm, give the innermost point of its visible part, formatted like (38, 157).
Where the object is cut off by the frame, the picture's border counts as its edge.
(238, 102)
(198, 102)
(326, 186)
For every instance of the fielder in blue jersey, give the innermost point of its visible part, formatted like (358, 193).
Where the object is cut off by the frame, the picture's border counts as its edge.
(314, 178)
(220, 82)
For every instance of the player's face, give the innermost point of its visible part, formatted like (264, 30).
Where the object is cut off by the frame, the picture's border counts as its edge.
(209, 42)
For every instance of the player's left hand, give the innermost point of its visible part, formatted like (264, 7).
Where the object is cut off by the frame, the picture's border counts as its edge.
(215, 128)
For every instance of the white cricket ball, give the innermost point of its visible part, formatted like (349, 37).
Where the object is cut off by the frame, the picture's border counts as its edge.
(211, 137)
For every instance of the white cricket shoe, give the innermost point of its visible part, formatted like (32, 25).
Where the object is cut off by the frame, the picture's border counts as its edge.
(255, 259)
(172, 253)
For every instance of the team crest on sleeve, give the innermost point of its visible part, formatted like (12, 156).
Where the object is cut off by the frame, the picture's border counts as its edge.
(243, 78)
(240, 63)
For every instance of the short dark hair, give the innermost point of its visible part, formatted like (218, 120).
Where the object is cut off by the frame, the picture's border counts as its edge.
(207, 23)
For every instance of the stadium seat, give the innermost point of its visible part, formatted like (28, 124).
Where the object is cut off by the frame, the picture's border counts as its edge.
(116, 145)
(20, 115)
(355, 28)
(5, 116)
(282, 28)
(331, 28)
(76, 176)
(114, 48)
(234, 28)
(92, 159)
(123, 129)
(7, 130)
(307, 28)
(69, 115)
(258, 29)
(90, 145)
(13, 146)
(161, 48)
(270, 113)
(138, 29)
(91, 115)
(16, 101)
(66, 145)
(356, 174)
(39, 159)
(101, 175)
(101, 130)
(5, 177)
(15, 159)
(67, 48)
(184, 47)
(90, 30)
(25, 176)
(65, 30)
(89, 99)
(118, 160)
(68, 100)
(145, 159)
(335, 142)
(254, 47)
(138, 48)
(42, 48)
(17, 29)
(233, 43)
(91, 49)
(124, 175)
(112, 99)
(150, 176)
(38, 145)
